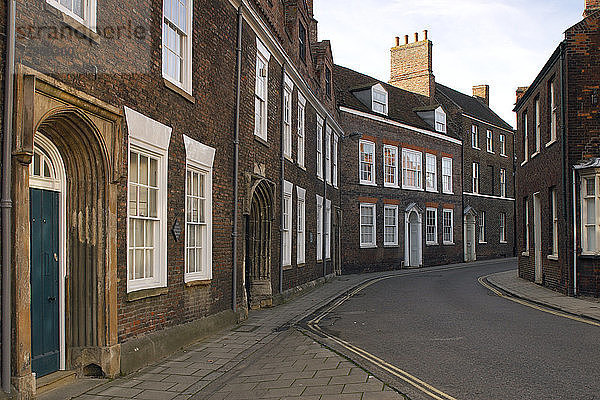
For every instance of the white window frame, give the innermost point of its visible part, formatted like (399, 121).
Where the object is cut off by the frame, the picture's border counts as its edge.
(328, 154)
(526, 216)
(379, 106)
(475, 186)
(440, 120)
(186, 70)
(525, 138)
(429, 242)
(301, 130)
(89, 12)
(447, 180)
(387, 166)
(287, 116)
(448, 240)
(363, 144)
(585, 224)
(475, 137)
(150, 137)
(482, 232)
(372, 243)
(428, 172)
(538, 126)
(553, 113)
(502, 139)
(386, 226)
(502, 227)
(327, 230)
(502, 182)
(320, 128)
(336, 140)
(490, 141)
(301, 225)
(286, 224)
(418, 157)
(199, 159)
(554, 206)
(261, 91)
(319, 240)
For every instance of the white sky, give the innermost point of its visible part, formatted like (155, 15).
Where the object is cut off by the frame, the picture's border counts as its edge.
(503, 43)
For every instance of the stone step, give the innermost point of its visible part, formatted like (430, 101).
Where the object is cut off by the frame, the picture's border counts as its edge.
(54, 380)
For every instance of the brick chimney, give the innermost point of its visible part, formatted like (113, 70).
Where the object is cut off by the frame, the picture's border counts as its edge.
(482, 92)
(591, 6)
(411, 66)
(521, 91)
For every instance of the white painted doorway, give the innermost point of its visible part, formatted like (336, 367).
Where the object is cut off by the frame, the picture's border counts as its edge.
(537, 236)
(413, 232)
(469, 233)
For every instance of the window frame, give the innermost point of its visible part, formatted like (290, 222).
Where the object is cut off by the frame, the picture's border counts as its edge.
(502, 182)
(502, 139)
(327, 82)
(525, 137)
(450, 178)
(300, 225)
(475, 178)
(361, 145)
(584, 213)
(384, 103)
(538, 126)
(286, 224)
(319, 160)
(336, 141)
(553, 112)
(446, 211)
(489, 141)
(328, 134)
(394, 208)
(373, 243)
(503, 227)
(475, 137)
(301, 131)
(187, 72)
(440, 120)
(406, 153)
(554, 210)
(302, 41)
(429, 157)
(319, 238)
(287, 117)
(429, 242)
(482, 228)
(387, 166)
(261, 111)
(526, 225)
(327, 229)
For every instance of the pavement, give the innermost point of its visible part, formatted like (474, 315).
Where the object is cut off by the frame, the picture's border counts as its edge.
(510, 282)
(263, 358)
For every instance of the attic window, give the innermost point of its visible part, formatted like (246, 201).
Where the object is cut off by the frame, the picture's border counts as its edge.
(440, 120)
(302, 41)
(380, 100)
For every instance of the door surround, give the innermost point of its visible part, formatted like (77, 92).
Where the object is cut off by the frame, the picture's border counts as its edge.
(470, 218)
(413, 209)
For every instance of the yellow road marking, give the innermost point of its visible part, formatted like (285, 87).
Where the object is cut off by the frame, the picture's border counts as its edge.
(532, 305)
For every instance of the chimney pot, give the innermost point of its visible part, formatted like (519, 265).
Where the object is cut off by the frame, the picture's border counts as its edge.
(425, 34)
(397, 41)
(416, 36)
(405, 39)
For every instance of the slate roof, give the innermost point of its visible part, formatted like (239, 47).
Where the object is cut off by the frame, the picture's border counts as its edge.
(472, 106)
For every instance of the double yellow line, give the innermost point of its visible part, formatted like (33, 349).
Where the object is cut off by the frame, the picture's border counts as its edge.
(384, 365)
(483, 281)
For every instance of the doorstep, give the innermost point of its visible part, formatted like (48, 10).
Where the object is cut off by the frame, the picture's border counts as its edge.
(54, 380)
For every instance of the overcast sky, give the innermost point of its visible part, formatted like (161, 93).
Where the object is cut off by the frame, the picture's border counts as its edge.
(503, 43)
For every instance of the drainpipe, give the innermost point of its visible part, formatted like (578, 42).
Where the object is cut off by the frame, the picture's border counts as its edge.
(574, 238)
(6, 202)
(282, 160)
(236, 152)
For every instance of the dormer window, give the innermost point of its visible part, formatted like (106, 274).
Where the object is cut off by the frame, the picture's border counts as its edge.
(379, 99)
(440, 120)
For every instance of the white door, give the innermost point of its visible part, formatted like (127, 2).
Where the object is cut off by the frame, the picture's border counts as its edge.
(415, 240)
(537, 236)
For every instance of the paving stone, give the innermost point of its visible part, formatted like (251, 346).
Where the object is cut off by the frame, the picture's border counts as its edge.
(155, 395)
(322, 381)
(283, 392)
(382, 396)
(153, 385)
(370, 386)
(343, 396)
(329, 389)
(333, 372)
(121, 392)
(280, 383)
(353, 378)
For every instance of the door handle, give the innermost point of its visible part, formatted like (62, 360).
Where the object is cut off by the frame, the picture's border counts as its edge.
(51, 299)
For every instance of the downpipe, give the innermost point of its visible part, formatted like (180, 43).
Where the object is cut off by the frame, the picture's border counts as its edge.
(6, 201)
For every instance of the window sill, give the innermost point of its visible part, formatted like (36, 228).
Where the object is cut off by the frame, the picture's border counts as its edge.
(553, 257)
(503, 155)
(365, 183)
(72, 23)
(302, 167)
(525, 253)
(476, 148)
(146, 293)
(432, 190)
(523, 163)
(391, 245)
(287, 267)
(198, 282)
(503, 242)
(289, 158)
(537, 153)
(368, 246)
(261, 141)
(484, 242)
(300, 264)
(432, 244)
(550, 143)
(413, 188)
(389, 185)
(182, 92)
(491, 152)
(448, 192)
(449, 243)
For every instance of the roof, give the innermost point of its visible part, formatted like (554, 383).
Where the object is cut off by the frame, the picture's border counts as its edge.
(472, 106)
(402, 104)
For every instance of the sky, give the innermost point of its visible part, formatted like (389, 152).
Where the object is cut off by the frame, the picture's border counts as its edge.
(502, 43)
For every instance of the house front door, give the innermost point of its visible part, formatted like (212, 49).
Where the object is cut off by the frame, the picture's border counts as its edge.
(45, 348)
(415, 240)
(537, 236)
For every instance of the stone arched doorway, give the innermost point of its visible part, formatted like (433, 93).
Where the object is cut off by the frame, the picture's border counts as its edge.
(413, 232)
(470, 218)
(259, 218)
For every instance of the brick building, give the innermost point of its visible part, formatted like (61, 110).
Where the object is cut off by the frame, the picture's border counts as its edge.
(558, 153)
(157, 193)
(415, 123)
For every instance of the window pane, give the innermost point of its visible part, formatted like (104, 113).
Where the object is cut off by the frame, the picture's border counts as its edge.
(149, 270)
(133, 209)
(139, 233)
(591, 211)
(143, 170)
(590, 187)
(149, 233)
(191, 236)
(153, 172)
(591, 238)
(139, 264)
(143, 201)
(153, 200)
(191, 260)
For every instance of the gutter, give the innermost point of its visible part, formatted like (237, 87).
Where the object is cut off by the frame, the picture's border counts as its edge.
(236, 157)
(6, 202)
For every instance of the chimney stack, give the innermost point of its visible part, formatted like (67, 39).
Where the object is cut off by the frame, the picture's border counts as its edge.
(482, 92)
(521, 91)
(411, 66)
(591, 6)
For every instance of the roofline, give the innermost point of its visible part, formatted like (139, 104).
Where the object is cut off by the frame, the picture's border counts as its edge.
(549, 64)
(399, 125)
(488, 123)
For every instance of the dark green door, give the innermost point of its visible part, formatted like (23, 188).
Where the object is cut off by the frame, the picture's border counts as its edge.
(45, 357)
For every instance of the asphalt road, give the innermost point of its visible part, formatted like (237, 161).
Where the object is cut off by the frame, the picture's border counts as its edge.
(446, 329)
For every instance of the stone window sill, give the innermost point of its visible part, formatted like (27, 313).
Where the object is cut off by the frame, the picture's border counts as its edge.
(146, 293)
(525, 254)
(198, 282)
(261, 141)
(170, 85)
(553, 257)
(73, 23)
